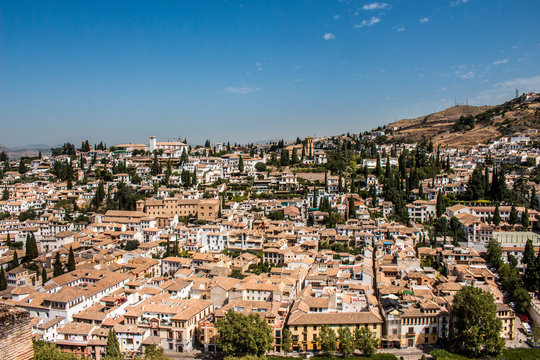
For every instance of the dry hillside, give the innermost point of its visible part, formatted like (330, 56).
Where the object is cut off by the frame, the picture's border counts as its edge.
(479, 124)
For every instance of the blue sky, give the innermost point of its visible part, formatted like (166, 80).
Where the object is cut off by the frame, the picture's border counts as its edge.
(244, 71)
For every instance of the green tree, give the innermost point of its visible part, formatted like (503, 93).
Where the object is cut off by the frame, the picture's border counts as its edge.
(522, 300)
(497, 215)
(494, 254)
(260, 166)
(294, 157)
(529, 255)
(531, 277)
(156, 167)
(44, 276)
(14, 261)
(241, 164)
(22, 167)
(352, 208)
(3, 280)
(241, 335)
(168, 173)
(71, 260)
(286, 341)
(44, 350)
(513, 220)
(132, 245)
(5, 194)
(441, 226)
(184, 158)
(533, 204)
(378, 168)
(327, 339)
(364, 341)
(112, 350)
(477, 327)
(525, 219)
(512, 260)
(476, 187)
(285, 159)
(421, 192)
(58, 267)
(440, 207)
(346, 344)
(154, 352)
(9, 244)
(31, 250)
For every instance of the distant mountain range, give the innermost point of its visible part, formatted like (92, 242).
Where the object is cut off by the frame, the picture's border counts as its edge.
(17, 152)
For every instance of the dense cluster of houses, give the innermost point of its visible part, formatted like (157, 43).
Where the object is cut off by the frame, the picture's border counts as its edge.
(203, 251)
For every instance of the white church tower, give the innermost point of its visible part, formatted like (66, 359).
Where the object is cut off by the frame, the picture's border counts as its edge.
(152, 143)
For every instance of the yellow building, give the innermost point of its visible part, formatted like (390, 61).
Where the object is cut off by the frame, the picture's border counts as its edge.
(305, 326)
(203, 209)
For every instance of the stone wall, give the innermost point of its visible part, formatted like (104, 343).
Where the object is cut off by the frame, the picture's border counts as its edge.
(15, 334)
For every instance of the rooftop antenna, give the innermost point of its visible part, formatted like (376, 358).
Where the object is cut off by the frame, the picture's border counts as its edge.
(467, 100)
(517, 93)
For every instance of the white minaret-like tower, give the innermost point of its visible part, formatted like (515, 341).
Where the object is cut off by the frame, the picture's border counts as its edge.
(152, 143)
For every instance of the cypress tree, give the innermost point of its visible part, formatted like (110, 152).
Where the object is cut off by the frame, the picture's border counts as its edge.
(352, 208)
(241, 164)
(285, 160)
(529, 253)
(497, 215)
(169, 172)
(3, 280)
(112, 350)
(184, 157)
(525, 219)
(27, 247)
(168, 249)
(58, 267)
(71, 260)
(440, 204)
(378, 169)
(175, 248)
(31, 251)
(8, 241)
(534, 201)
(156, 168)
(44, 276)
(294, 157)
(14, 262)
(513, 216)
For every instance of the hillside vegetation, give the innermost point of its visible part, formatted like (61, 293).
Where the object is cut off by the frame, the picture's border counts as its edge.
(467, 125)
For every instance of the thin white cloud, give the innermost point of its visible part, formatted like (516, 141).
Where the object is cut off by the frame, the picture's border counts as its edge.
(458, 2)
(499, 62)
(374, 20)
(464, 71)
(423, 20)
(259, 66)
(467, 75)
(400, 29)
(336, 17)
(241, 90)
(375, 6)
(504, 91)
(329, 36)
